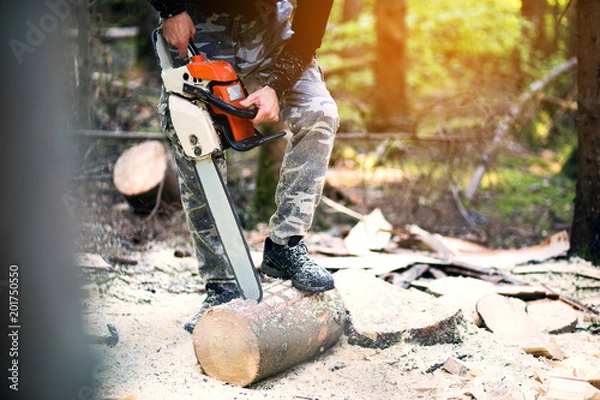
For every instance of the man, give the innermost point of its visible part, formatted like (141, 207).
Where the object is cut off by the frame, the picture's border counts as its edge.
(277, 56)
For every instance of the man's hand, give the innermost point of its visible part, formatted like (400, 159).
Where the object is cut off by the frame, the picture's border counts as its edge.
(178, 30)
(266, 101)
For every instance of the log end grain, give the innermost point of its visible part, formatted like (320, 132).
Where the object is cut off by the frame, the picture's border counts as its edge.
(144, 173)
(140, 168)
(231, 352)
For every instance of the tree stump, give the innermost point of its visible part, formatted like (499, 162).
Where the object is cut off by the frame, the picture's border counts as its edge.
(146, 173)
(243, 341)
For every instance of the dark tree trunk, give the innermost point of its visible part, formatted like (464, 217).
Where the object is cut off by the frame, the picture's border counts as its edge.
(147, 22)
(535, 12)
(352, 9)
(391, 101)
(585, 234)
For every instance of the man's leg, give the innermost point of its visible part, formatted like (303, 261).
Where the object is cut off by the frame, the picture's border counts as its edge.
(214, 267)
(311, 114)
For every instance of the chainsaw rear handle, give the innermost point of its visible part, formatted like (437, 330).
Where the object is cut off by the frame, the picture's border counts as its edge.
(201, 94)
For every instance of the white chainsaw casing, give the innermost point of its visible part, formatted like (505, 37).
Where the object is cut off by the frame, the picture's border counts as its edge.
(194, 128)
(174, 78)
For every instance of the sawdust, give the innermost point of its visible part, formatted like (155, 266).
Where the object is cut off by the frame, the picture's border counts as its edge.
(149, 302)
(150, 293)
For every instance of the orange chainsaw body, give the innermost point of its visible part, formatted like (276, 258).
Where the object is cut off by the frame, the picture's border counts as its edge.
(224, 85)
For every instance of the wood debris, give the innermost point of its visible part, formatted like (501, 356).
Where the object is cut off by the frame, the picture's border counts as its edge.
(508, 319)
(90, 260)
(457, 367)
(472, 254)
(560, 388)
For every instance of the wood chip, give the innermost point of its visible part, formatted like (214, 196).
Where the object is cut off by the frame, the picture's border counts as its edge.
(457, 367)
(90, 260)
(371, 233)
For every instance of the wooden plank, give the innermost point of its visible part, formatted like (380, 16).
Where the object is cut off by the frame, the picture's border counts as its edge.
(376, 263)
(381, 314)
(581, 268)
(507, 259)
(508, 319)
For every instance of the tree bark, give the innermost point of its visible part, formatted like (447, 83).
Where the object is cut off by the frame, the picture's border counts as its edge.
(585, 231)
(535, 12)
(145, 174)
(352, 9)
(242, 342)
(391, 101)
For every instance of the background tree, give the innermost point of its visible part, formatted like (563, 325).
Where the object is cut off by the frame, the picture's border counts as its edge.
(391, 101)
(585, 231)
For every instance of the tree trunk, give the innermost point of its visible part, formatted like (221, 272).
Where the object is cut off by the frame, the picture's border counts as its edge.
(352, 9)
(585, 232)
(147, 21)
(391, 101)
(242, 342)
(535, 12)
(145, 174)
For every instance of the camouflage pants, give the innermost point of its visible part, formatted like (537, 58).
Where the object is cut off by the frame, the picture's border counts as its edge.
(308, 110)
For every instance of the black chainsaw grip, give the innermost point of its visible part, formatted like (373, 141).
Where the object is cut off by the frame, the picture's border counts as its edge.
(220, 104)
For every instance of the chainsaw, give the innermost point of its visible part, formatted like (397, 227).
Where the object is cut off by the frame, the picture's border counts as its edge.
(204, 105)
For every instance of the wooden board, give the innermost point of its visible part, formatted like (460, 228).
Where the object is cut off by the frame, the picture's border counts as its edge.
(583, 269)
(509, 320)
(560, 388)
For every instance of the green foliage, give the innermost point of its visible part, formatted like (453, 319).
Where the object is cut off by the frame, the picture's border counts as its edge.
(457, 41)
(529, 190)
(449, 44)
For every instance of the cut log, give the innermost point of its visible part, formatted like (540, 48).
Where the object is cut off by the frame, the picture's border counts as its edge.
(243, 341)
(553, 317)
(145, 175)
(508, 319)
(381, 314)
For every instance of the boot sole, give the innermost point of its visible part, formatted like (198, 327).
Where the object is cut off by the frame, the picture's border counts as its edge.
(275, 272)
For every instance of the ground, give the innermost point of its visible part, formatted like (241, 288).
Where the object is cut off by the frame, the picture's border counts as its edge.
(152, 288)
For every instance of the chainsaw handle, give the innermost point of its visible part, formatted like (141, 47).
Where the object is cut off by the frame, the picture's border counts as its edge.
(220, 104)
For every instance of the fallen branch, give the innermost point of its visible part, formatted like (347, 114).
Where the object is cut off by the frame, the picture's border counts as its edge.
(509, 119)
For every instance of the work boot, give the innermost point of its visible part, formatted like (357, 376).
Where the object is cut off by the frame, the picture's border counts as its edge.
(216, 293)
(292, 261)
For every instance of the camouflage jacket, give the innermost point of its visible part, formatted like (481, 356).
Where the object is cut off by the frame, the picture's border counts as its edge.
(309, 23)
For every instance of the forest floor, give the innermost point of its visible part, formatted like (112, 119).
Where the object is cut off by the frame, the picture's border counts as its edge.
(151, 287)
